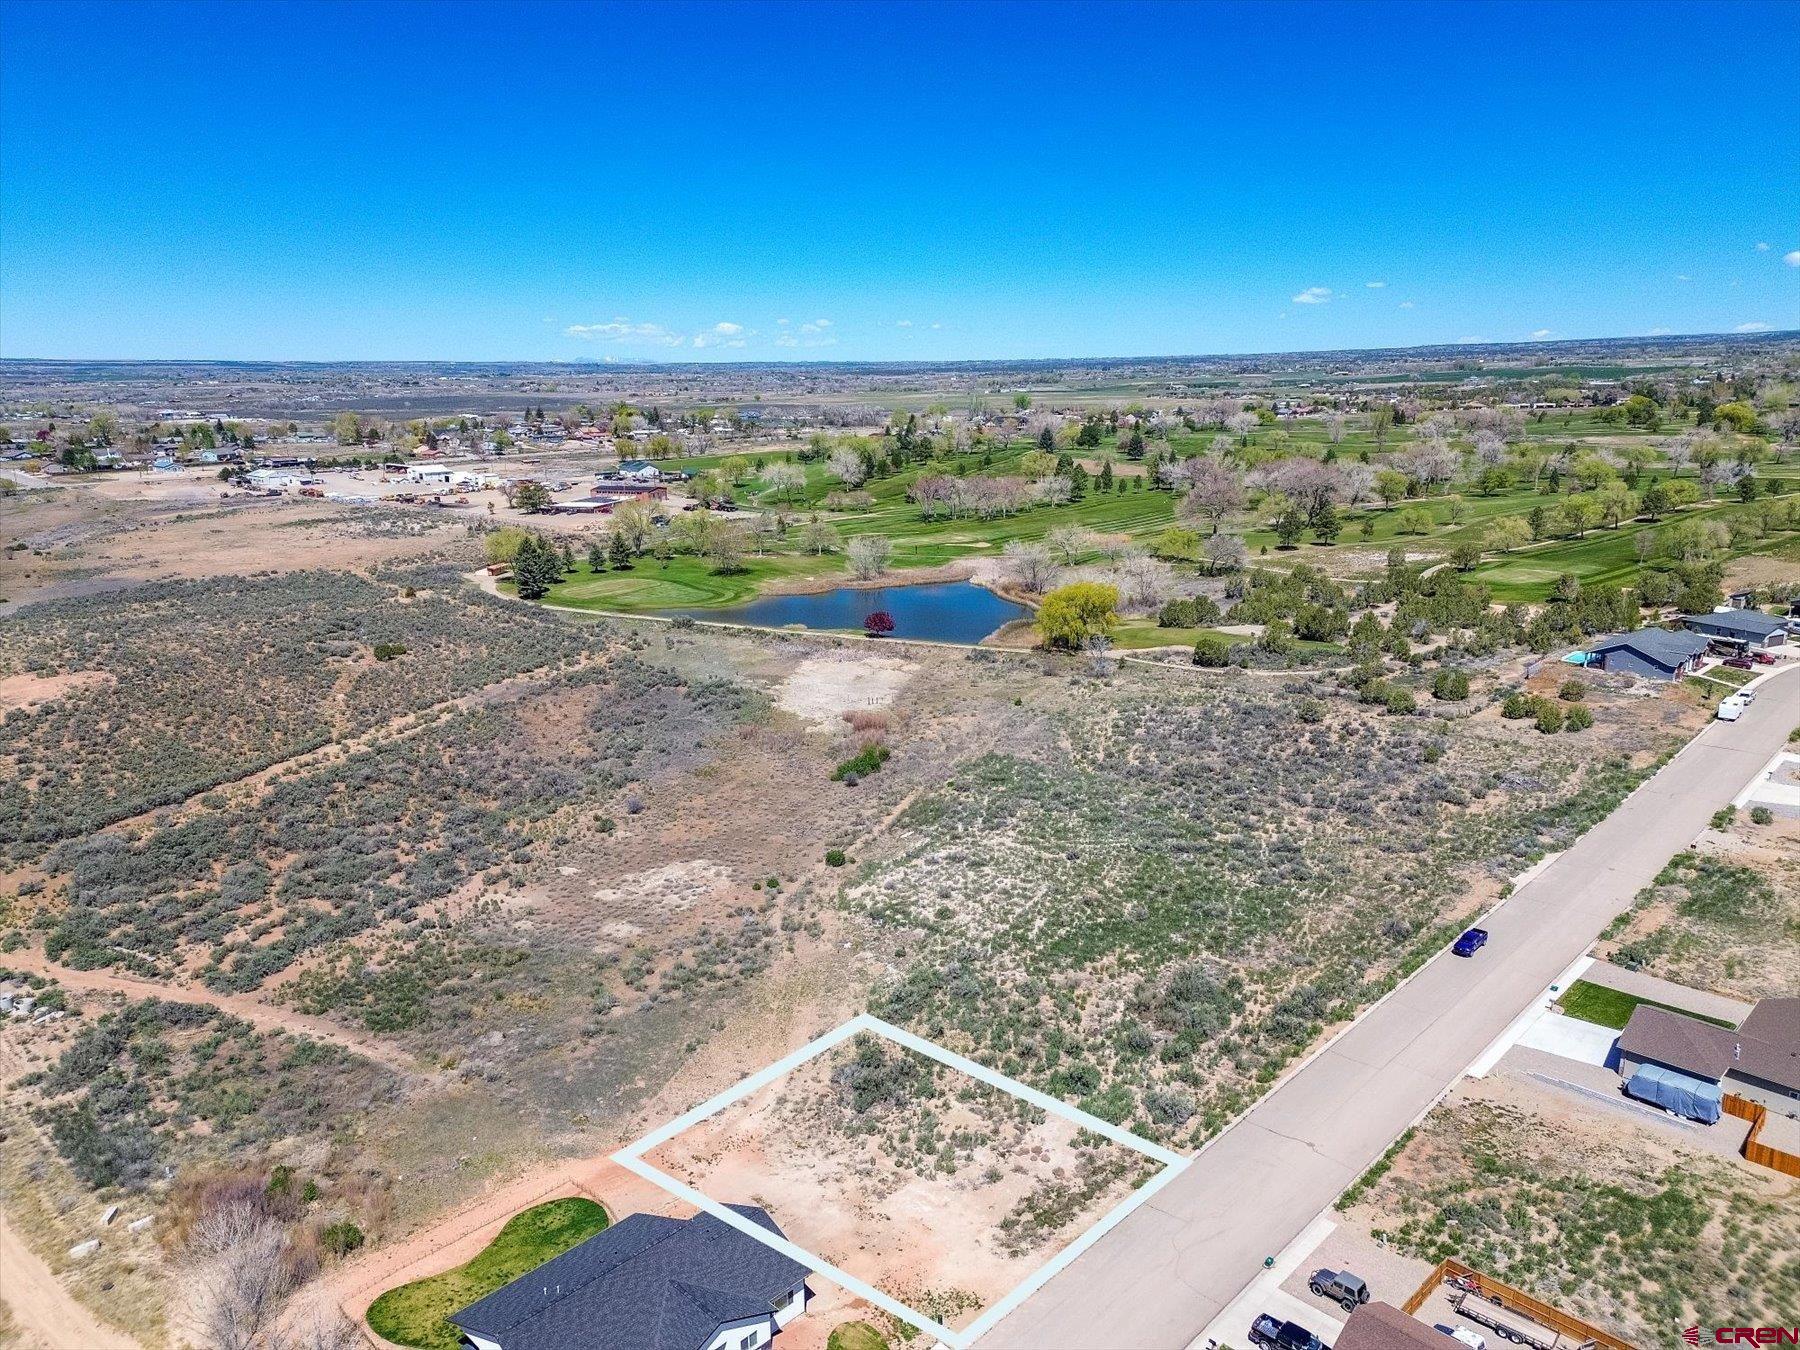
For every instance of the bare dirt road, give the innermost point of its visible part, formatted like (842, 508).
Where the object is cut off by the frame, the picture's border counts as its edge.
(1162, 1276)
(47, 1314)
(262, 1016)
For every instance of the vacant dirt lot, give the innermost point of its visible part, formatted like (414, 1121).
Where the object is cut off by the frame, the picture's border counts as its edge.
(926, 1183)
(823, 688)
(1724, 916)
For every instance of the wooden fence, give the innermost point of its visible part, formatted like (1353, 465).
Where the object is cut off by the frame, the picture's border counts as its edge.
(1486, 1286)
(1754, 1150)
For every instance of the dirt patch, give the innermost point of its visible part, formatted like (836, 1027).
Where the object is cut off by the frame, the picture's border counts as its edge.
(25, 691)
(43, 1309)
(663, 892)
(823, 688)
(916, 1178)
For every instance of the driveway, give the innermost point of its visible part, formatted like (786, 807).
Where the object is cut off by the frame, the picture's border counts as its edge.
(1164, 1274)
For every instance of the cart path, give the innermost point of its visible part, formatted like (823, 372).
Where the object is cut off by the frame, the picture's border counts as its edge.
(46, 1311)
(1162, 1276)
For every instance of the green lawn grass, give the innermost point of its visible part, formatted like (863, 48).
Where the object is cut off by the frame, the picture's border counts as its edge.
(1610, 1008)
(683, 582)
(414, 1314)
(855, 1336)
(1604, 556)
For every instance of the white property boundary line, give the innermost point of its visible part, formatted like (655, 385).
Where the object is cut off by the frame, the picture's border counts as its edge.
(632, 1157)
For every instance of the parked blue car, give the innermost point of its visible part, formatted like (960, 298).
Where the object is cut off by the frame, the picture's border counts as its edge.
(1470, 942)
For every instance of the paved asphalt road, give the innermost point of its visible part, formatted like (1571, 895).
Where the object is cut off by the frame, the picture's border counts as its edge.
(1159, 1278)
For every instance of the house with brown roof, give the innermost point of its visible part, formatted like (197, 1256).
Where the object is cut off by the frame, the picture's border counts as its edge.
(1759, 1060)
(1381, 1326)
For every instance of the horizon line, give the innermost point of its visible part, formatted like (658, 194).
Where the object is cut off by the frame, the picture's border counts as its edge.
(1775, 334)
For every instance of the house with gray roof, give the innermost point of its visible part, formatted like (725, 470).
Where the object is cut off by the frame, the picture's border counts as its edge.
(647, 1283)
(1745, 627)
(1758, 1060)
(1649, 653)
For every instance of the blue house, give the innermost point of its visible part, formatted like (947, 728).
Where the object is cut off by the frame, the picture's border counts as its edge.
(1745, 627)
(647, 1283)
(1649, 653)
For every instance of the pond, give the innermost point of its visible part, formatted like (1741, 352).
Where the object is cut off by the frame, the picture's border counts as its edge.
(949, 611)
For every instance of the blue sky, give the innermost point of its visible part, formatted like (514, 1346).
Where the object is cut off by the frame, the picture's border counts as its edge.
(863, 181)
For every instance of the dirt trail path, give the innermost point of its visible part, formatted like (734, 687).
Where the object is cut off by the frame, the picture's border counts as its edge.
(395, 728)
(47, 1312)
(455, 1238)
(263, 1016)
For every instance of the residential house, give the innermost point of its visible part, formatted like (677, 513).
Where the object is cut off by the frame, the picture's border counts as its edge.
(1381, 1326)
(639, 470)
(647, 1283)
(1649, 653)
(1743, 628)
(1677, 1054)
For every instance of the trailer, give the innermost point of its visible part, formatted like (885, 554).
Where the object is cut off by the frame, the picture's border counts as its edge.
(1513, 1326)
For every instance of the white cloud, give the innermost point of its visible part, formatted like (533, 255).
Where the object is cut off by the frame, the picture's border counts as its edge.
(1762, 246)
(1313, 295)
(903, 323)
(1661, 332)
(1792, 259)
(1753, 328)
(1540, 332)
(622, 329)
(1406, 304)
(721, 335)
(812, 333)
(1682, 276)
(1376, 285)
(937, 325)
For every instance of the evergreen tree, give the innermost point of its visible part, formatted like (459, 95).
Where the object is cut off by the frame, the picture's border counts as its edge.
(536, 568)
(619, 552)
(1289, 526)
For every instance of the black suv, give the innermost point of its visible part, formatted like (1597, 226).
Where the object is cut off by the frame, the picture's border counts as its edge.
(1266, 1331)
